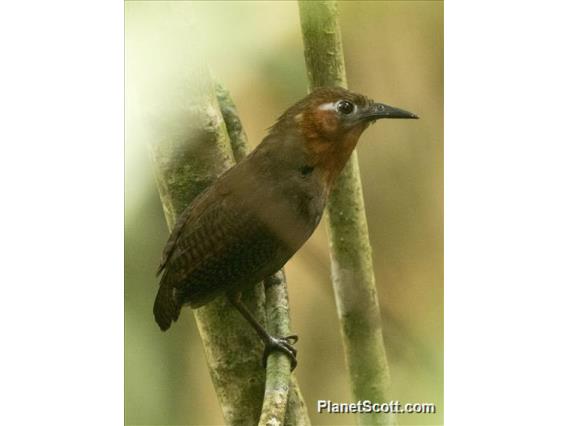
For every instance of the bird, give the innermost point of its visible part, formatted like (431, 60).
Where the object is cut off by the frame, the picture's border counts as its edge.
(250, 221)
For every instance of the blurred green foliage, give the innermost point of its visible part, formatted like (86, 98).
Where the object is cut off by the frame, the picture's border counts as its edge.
(394, 53)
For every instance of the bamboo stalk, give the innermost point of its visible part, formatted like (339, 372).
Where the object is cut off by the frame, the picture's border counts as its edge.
(278, 375)
(235, 129)
(185, 163)
(352, 269)
(180, 120)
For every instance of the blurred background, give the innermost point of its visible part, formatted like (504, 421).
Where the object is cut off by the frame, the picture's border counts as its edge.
(394, 54)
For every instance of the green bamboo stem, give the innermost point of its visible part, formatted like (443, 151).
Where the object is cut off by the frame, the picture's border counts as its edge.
(235, 129)
(277, 393)
(352, 269)
(283, 402)
(185, 163)
(181, 122)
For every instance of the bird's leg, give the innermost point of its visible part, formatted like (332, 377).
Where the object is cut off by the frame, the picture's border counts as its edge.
(271, 343)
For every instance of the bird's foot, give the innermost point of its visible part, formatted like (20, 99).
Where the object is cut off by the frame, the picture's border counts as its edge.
(282, 344)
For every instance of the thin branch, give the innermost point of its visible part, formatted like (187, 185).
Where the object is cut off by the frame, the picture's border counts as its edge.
(278, 364)
(352, 268)
(283, 402)
(237, 135)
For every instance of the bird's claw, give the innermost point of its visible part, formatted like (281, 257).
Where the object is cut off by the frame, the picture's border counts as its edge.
(282, 344)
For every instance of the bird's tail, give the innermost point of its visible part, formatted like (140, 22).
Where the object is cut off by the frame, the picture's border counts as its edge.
(166, 308)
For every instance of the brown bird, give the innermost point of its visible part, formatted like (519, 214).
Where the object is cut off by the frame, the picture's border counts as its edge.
(256, 215)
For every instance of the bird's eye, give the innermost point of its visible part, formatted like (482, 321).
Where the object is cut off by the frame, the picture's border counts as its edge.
(345, 107)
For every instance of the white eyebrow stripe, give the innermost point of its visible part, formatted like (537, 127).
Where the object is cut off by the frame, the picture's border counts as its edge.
(330, 106)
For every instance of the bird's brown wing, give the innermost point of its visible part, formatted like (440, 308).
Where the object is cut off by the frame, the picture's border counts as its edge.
(220, 219)
(221, 251)
(192, 212)
(170, 244)
(200, 234)
(201, 238)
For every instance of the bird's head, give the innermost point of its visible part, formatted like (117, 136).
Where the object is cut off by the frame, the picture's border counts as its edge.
(330, 121)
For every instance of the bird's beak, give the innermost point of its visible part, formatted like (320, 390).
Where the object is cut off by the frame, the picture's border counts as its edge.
(375, 111)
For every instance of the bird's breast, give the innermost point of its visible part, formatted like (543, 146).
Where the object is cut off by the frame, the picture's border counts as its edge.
(293, 211)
